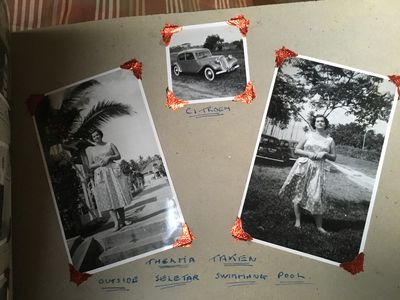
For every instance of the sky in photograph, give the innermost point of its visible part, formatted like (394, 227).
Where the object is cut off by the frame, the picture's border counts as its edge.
(133, 134)
(338, 116)
(198, 35)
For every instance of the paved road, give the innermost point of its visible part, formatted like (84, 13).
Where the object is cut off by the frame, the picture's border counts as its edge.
(355, 176)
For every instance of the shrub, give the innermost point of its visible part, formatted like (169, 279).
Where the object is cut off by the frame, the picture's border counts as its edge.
(371, 155)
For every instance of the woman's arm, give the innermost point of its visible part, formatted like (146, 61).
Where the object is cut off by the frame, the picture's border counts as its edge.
(332, 153)
(92, 165)
(300, 149)
(115, 154)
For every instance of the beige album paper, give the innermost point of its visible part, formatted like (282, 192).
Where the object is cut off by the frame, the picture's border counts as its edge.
(208, 158)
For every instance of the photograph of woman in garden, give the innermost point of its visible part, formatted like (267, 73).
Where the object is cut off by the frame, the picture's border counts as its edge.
(312, 183)
(305, 185)
(108, 191)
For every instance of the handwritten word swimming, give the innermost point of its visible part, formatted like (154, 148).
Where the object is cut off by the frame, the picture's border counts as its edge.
(235, 258)
(240, 276)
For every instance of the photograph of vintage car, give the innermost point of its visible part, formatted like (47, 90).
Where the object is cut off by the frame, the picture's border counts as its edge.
(200, 60)
(207, 63)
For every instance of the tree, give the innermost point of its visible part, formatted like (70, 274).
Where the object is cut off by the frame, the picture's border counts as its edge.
(287, 100)
(134, 165)
(350, 134)
(125, 167)
(141, 163)
(326, 88)
(238, 44)
(213, 42)
(374, 141)
(353, 134)
(161, 169)
(67, 124)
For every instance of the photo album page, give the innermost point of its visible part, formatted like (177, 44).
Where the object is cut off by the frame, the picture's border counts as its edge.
(238, 153)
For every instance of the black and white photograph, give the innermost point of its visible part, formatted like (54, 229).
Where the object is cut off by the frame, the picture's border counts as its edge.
(110, 183)
(207, 63)
(319, 154)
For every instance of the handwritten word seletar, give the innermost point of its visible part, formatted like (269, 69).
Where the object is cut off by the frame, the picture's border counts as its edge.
(233, 259)
(209, 111)
(177, 278)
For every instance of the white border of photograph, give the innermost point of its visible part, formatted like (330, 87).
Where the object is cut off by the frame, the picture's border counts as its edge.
(203, 26)
(378, 174)
(178, 208)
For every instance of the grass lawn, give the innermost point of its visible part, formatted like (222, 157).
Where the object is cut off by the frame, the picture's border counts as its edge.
(268, 218)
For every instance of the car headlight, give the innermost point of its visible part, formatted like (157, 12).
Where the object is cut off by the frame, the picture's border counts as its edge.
(217, 60)
(230, 57)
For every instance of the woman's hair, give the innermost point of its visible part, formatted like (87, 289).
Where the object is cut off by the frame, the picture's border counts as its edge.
(96, 130)
(314, 118)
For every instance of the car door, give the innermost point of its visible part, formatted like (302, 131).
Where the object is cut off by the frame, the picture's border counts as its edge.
(191, 63)
(181, 62)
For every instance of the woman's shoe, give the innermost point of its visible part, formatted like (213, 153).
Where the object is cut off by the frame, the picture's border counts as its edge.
(116, 227)
(125, 223)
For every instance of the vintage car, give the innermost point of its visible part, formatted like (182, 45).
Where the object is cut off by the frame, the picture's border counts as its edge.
(270, 148)
(200, 60)
(292, 146)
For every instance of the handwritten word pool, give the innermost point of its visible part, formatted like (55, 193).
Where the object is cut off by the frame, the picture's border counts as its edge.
(291, 278)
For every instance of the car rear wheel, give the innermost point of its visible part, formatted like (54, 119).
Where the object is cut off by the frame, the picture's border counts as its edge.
(209, 74)
(176, 70)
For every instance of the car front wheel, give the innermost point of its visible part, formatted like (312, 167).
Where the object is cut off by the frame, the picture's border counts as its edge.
(209, 74)
(176, 70)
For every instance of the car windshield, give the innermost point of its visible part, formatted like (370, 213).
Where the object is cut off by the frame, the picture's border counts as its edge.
(202, 54)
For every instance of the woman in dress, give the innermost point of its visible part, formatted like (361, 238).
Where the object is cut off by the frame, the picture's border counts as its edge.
(305, 184)
(108, 191)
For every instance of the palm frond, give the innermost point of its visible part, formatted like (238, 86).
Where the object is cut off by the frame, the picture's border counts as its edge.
(100, 114)
(77, 92)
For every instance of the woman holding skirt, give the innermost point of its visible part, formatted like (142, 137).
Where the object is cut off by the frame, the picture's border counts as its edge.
(305, 184)
(108, 191)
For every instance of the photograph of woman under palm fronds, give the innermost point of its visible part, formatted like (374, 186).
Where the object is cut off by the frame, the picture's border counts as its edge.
(107, 172)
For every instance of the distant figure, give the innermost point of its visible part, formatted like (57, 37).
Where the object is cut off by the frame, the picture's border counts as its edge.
(305, 184)
(108, 191)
